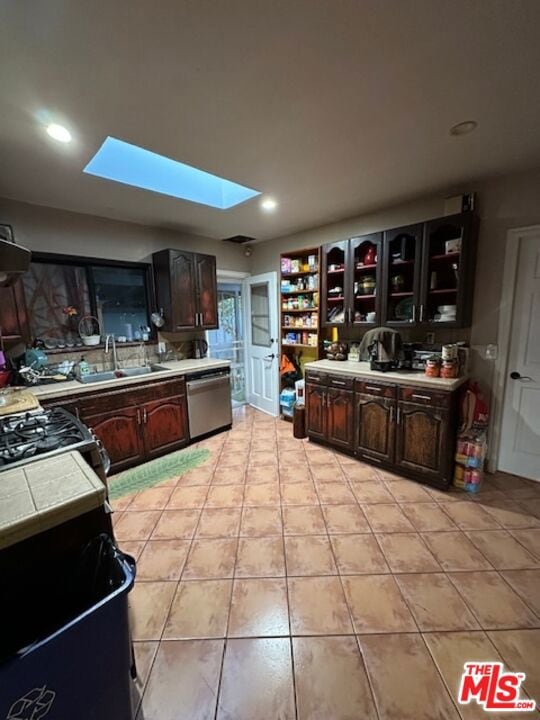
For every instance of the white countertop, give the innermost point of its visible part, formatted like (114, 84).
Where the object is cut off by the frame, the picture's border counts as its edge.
(44, 494)
(362, 369)
(170, 369)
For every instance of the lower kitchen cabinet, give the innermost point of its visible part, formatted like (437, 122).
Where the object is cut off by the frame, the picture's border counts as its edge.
(422, 440)
(375, 427)
(316, 411)
(165, 425)
(119, 432)
(340, 418)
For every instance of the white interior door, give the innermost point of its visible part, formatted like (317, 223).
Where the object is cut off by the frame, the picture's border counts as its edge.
(260, 293)
(520, 433)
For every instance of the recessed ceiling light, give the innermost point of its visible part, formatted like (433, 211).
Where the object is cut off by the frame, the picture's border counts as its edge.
(59, 132)
(464, 128)
(268, 204)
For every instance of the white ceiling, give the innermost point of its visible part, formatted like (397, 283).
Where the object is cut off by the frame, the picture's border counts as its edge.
(334, 107)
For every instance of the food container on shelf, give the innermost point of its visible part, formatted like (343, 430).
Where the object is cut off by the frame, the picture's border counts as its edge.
(433, 367)
(449, 369)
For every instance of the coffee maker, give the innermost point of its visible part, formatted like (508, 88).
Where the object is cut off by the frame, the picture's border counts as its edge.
(384, 349)
(200, 348)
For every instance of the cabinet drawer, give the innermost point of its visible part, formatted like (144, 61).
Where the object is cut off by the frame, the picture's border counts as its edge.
(379, 389)
(111, 399)
(340, 381)
(316, 378)
(422, 396)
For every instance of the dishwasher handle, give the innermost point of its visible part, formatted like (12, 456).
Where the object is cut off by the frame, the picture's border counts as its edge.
(211, 382)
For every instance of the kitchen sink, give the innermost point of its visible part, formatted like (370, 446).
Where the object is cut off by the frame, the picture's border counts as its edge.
(119, 374)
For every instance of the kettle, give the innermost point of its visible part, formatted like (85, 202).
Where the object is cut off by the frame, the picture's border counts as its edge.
(200, 348)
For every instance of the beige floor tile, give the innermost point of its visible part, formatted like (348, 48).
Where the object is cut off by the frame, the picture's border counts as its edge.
(185, 498)
(317, 455)
(407, 553)
(377, 605)
(219, 522)
(451, 650)
(513, 514)
(257, 681)
(327, 473)
(197, 476)
(454, 551)
(259, 494)
(452, 494)
(358, 554)
(149, 604)
(136, 525)
(264, 444)
(233, 458)
(295, 474)
(309, 555)
(176, 524)
(259, 608)
(225, 496)
(520, 650)
(303, 520)
(530, 539)
(200, 609)
(387, 518)
(527, 585)
(231, 475)
(261, 522)
(405, 491)
(262, 474)
(132, 547)
(292, 458)
(504, 481)
(331, 681)
(371, 492)
(155, 498)
(470, 516)
(495, 604)
(162, 559)
(502, 550)
(345, 519)
(260, 557)
(210, 558)
(262, 458)
(529, 506)
(145, 653)
(122, 503)
(317, 606)
(184, 681)
(344, 459)
(335, 493)
(427, 517)
(358, 471)
(404, 679)
(299, 494)
(435, 603)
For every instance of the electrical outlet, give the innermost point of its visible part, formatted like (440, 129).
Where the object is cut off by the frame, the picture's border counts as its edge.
(162, 348)
(430, 338)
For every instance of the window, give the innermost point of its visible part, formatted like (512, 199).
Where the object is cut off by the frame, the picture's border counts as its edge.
(60, 290)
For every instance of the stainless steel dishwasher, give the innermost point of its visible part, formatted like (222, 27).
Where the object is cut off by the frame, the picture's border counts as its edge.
(209, 401)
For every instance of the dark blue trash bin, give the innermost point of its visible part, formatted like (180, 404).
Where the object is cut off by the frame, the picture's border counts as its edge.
(82, 670)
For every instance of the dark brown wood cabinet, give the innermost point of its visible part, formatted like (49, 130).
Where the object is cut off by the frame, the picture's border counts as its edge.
(340, 417)
(186, 289)
(316, 411)
(422, 435)
(375, 427)
(119, 432)
(165, 425)
(13, 320)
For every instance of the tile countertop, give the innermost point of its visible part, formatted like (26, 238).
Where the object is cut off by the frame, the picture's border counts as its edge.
(361, 369)
(170, 369)
(46, 493)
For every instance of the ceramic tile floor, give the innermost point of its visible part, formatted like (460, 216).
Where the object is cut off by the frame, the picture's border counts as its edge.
(282, 580)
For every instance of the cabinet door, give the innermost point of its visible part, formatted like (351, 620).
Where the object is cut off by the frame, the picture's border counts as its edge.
(334, 291)
(364, 279)
(402, 265)
(448, 266)
(207, 292)
(183, 290)
(316, 411)
(375, 427)
(422, 441)
(340, 418)
(120, 433)
(164, 424)
(13, 312)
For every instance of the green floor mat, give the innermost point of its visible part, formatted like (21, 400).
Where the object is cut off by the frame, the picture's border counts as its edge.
(149, 474)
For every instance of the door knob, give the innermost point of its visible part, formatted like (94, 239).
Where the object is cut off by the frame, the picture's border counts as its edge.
(518, 376)
(270, 357)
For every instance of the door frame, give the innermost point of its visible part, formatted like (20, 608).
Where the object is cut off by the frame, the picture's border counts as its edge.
(514, 236)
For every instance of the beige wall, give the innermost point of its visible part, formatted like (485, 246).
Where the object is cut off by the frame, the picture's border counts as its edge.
(58, 231)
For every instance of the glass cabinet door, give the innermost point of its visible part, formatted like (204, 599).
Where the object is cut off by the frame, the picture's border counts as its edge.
(402, 265)
(364, 270)
(334, 284)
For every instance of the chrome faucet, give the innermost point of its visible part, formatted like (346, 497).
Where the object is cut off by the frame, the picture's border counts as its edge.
(142, 354)
(113, 344)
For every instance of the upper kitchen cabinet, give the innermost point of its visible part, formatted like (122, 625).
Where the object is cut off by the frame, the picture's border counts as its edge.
(13, 320)
(401, 269)
(449, 261)
(351, 279)
(186, 290)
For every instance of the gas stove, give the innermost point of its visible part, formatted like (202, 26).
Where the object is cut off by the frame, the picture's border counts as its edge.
(43, 433)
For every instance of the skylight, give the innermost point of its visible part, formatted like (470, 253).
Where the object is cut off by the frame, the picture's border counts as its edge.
(132, 165)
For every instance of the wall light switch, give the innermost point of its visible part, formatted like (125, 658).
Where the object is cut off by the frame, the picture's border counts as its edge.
(491, 352)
